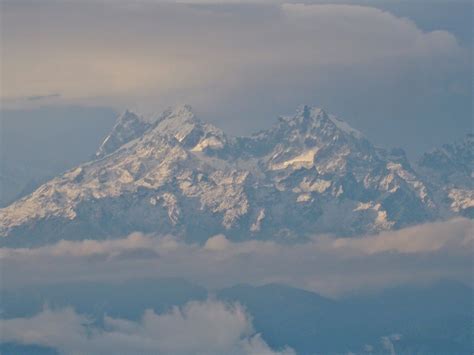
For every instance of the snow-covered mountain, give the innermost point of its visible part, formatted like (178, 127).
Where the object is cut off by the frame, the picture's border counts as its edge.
(449, 169)
(128, 127)
(310, 173)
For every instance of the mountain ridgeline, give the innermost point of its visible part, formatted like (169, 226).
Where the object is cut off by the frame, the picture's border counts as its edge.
(310, 173)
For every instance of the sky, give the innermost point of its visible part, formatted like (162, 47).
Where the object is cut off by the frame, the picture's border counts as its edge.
(398, 71)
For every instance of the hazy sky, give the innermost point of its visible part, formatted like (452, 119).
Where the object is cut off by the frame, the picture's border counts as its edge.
(399, 71)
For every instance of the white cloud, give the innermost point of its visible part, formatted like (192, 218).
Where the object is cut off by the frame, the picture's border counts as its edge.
(197, 328)
(426, 238)
(387, 342)
(327, 265)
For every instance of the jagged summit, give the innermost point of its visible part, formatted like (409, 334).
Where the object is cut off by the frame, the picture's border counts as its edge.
(179, 122)
(307, 115)
(310, 173)
(180, 112)
(127, 127)
(451, 159)
(130, 125)
(449, 169)
(182, 123)
(306, 112)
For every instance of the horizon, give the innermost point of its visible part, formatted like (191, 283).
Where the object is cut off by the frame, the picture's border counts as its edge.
(242, 177)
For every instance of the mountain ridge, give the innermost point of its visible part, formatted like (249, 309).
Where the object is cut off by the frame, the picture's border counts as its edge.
(309, 173)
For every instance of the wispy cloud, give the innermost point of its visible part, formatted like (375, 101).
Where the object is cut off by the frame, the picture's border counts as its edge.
(42, 97)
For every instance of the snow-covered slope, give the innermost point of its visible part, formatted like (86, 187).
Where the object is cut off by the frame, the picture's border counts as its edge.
(128, 127)
(449, 169)
(451, 163)
(309, 173)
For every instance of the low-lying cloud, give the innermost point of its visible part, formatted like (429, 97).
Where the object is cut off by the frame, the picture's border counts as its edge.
(324, 264)
(209, 327)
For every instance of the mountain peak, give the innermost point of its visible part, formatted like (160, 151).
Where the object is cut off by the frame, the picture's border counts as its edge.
(178, 113)
(128, 126)
(451, 162)
(305, 113)
(308, 174)
(181, 122)
(307, 116)
(127, 116)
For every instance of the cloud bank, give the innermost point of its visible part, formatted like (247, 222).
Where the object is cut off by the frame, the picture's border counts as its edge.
(148, 54)
(210, 327)
(327, 265)
(238, 63)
